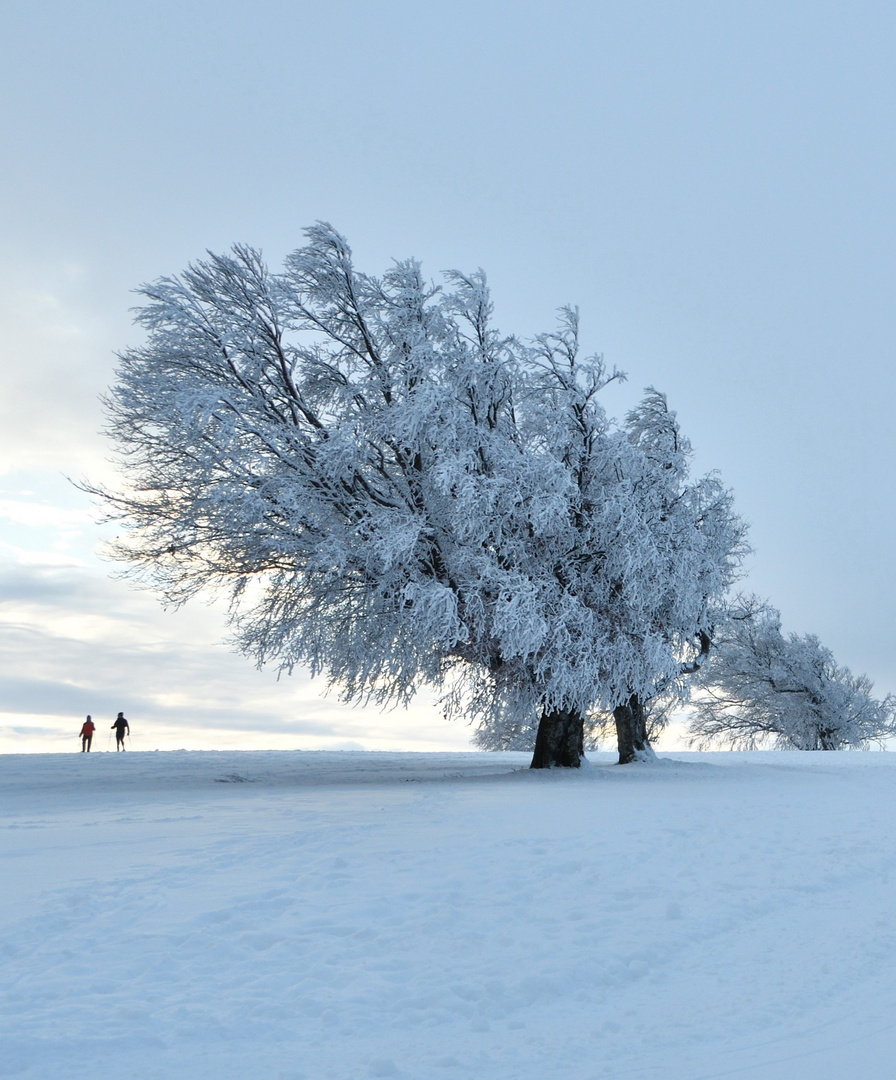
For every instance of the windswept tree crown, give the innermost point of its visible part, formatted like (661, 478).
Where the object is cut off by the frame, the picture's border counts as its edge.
(392, 492)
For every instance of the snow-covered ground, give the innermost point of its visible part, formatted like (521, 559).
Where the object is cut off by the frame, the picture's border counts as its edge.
(284, 915)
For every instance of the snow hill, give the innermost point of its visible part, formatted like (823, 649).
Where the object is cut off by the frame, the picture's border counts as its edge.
(352, 915)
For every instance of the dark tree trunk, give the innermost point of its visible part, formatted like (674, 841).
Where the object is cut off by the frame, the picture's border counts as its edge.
(560, 742)
(631, 731)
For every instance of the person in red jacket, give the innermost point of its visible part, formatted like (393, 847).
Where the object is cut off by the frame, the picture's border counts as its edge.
(87, 730)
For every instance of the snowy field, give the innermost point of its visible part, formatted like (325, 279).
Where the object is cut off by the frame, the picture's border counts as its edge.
(352, 915)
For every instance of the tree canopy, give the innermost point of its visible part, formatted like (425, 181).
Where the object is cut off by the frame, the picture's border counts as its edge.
(393, 493)
(764, 686)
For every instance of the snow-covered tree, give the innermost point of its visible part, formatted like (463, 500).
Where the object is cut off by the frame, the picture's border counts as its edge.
(764, 686)
(630, 571)
(393, 493)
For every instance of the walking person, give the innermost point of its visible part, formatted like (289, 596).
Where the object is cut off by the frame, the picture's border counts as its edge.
(87, 730)
(121, 727)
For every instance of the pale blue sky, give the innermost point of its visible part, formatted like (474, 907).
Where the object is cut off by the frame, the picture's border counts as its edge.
(710, 182)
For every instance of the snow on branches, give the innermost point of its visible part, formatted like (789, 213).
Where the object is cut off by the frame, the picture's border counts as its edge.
(394, 493)
(764, 686)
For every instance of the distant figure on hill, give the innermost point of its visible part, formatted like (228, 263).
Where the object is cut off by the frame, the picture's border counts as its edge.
(87, 730)
(121, 727)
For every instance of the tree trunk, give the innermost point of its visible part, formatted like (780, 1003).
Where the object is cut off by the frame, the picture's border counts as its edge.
(631, 732)
(560, 742)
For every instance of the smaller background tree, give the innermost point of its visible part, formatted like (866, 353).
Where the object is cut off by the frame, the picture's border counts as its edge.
(763, 686)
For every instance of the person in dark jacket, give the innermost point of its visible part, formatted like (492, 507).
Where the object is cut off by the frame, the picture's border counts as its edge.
(87, 730)
(121, 727)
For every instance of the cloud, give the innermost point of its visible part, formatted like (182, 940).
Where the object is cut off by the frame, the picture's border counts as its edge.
(56, 358)
(38, 515)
